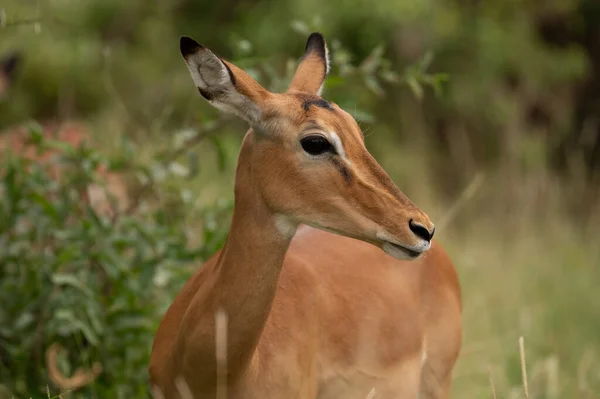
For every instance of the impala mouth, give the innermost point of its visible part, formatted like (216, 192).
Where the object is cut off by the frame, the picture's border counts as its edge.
(401, 252)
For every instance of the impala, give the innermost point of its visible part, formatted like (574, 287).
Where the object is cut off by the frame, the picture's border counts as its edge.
(329, 281)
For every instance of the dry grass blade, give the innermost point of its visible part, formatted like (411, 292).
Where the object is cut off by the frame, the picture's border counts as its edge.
(157, 393)
(585, 365)
(183, 388)
(371, 394)
(492, 384)
(221, 352)
(523, 366)
(465, 196)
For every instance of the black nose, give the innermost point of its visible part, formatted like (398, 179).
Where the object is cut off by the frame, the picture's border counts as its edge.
(421, 231)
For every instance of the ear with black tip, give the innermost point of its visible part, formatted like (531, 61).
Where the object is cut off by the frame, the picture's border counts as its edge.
(313, 68)
(221, 83)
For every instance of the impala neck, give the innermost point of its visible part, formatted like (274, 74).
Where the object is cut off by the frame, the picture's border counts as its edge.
(248, 269)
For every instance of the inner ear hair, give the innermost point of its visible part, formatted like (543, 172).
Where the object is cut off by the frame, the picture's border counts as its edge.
(221, 83)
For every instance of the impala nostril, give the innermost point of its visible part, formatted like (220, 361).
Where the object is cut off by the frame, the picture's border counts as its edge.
(421, 231)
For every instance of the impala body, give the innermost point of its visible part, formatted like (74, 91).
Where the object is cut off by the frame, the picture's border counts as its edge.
(329, 283)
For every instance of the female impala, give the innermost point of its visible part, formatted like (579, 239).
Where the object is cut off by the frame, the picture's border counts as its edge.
(312, 312)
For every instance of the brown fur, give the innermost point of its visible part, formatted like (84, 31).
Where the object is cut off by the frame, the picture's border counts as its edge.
(312, 314)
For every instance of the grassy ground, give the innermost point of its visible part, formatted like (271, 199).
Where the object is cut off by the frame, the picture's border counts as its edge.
(540, 285)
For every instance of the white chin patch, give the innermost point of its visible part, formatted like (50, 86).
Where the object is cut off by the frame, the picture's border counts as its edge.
(397, 253)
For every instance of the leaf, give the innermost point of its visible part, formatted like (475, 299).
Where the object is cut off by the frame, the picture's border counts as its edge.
(193, 164)
(46, 205)
(158, 172)
(61, 146)
(127, 146)
(24, 321)
(87, 332)
(221, 151)
(373, 60)
(300, 27)
(181, 137)
(390, 76)
(415, 87)
(177, 169)
(93, 315)
(186, 196)
(36, 133)
(72, 281)
(244, 47)
(426, 61)
(132, 323)
(437, 82)
(374, 86)
(111, 262)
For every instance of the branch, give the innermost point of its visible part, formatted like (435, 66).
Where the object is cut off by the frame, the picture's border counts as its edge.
(169, 157)
(207, 131)
(78, 380)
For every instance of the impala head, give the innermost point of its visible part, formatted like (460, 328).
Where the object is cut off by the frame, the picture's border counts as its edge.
(8, 65)
(307, 158)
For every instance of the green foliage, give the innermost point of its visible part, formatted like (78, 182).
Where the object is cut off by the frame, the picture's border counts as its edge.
(94, 283)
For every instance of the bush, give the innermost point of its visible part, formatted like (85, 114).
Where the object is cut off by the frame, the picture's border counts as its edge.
(94, 283)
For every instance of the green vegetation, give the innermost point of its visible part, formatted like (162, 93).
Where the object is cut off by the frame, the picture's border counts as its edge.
(484, 113)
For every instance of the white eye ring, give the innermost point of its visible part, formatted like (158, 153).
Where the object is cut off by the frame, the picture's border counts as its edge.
(337, 143)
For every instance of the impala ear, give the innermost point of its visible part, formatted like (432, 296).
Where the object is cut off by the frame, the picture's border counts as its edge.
(222, 84)
(313, 67)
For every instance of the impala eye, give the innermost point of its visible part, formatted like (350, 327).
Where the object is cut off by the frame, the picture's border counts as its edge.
(316, 144)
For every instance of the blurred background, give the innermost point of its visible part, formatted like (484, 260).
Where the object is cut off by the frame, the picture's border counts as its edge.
(117, 177)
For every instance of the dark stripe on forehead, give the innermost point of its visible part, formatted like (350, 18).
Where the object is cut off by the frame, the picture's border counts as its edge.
(319, 102)
(310, 99)
(342, 168)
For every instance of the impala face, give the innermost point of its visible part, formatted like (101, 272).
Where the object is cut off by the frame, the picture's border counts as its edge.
(309, 161)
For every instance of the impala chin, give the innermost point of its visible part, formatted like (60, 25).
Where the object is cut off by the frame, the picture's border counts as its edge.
(402, 252)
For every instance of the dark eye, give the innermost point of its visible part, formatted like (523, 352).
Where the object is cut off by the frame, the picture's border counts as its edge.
(316, 144)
